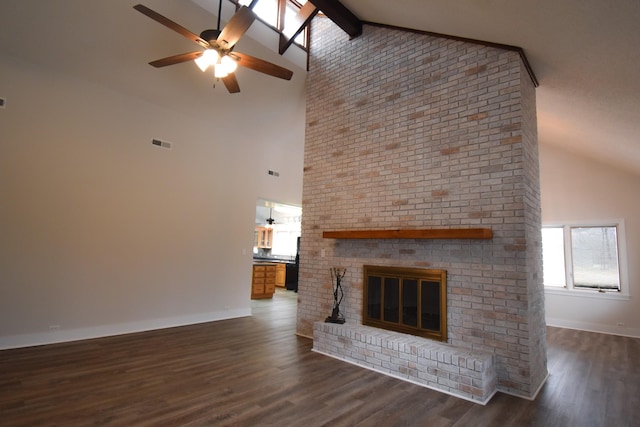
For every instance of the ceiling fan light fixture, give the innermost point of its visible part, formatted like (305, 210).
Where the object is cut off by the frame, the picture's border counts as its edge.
(229, 64)
(219, 71)
(208, 57)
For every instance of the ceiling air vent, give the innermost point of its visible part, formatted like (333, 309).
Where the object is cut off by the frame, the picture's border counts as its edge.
(162, 144)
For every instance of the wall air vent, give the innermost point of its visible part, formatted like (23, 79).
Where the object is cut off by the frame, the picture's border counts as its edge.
(162, 144)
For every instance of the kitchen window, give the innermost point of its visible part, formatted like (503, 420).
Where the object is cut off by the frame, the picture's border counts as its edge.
(584, 257)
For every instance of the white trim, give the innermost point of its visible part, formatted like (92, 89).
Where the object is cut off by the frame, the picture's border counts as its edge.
(587, 293)
(594, 327)
(66, 335)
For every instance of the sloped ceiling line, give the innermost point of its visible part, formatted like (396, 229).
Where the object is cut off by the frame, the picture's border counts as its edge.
(349, 23)
(467, 40)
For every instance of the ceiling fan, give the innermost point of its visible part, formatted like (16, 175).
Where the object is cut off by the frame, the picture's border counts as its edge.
(270, 221)
(218, 45)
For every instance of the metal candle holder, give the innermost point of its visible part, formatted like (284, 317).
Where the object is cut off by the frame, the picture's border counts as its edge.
(336, 277)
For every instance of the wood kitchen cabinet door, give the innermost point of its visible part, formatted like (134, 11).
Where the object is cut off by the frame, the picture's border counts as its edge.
(281, 275)
(263, 237)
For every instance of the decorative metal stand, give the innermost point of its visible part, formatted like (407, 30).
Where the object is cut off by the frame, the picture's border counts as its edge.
(336, 277)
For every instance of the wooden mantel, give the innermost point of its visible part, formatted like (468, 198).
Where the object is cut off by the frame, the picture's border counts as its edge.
(432, 233)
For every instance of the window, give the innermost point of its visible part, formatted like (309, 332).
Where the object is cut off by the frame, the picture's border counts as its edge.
(290, 13)
(269, 12)
(595, 257)
(583, 257)
(553, 256)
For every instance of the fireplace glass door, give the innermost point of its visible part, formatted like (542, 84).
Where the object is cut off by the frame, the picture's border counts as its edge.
(407, 300)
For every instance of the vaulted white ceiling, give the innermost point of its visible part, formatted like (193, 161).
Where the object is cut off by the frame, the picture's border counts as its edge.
(585, 54)
(110, 44)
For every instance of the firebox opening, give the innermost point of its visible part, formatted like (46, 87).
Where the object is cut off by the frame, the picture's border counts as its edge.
(407, 300)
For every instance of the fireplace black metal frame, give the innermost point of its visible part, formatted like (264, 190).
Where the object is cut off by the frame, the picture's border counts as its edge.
(419, 275)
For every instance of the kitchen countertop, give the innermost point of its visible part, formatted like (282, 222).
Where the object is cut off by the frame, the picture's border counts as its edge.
(273, 260)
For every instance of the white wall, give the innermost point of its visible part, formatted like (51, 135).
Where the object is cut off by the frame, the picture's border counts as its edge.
(103, 233)
(575, 189)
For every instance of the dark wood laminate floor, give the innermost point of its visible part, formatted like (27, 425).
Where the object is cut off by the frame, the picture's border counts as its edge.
(255, 372)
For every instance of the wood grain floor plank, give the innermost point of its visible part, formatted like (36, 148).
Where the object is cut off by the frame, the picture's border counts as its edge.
(255, 371)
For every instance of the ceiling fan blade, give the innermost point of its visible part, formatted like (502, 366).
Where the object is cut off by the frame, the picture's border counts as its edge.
(171, 25)
(175, 59)
(236, 27)
(262, 66)
(231, 83)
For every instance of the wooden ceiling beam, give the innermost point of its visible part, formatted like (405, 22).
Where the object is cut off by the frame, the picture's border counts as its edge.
(340, 15)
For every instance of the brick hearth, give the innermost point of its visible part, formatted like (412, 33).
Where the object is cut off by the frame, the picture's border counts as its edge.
(463, 373)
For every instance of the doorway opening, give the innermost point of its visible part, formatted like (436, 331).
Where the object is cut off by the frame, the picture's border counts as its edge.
(277, 229)
(275, 249)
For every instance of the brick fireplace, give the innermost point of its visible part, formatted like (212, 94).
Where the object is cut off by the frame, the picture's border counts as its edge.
(410, 131)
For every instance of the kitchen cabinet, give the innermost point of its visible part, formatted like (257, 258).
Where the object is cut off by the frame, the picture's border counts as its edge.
(263, 237)
(281, 275)
(263, 282)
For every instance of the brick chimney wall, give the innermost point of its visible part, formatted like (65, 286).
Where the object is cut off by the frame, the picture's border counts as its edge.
(407, 130)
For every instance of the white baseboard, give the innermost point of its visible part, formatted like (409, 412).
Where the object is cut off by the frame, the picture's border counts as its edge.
(66, 335)
(595, 327)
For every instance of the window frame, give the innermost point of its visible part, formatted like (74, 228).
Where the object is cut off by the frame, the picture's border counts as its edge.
(280, 21)
(569, 288)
